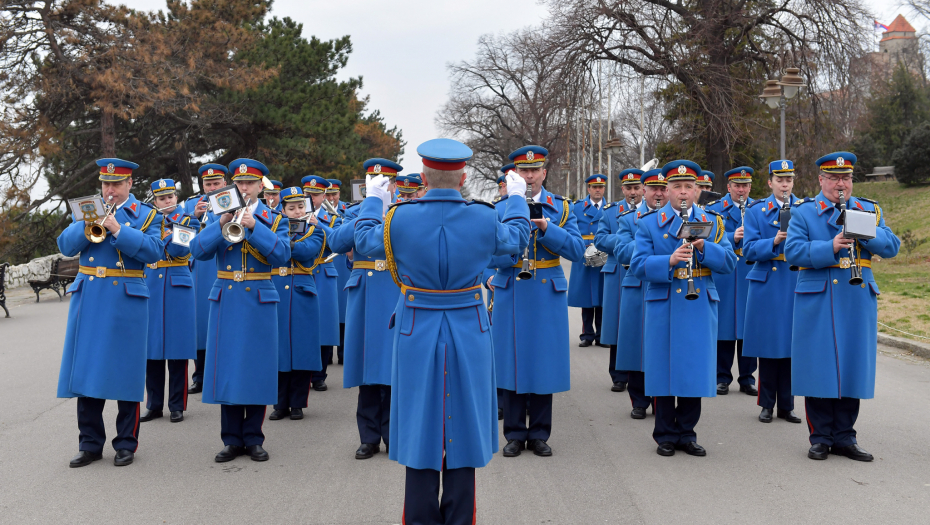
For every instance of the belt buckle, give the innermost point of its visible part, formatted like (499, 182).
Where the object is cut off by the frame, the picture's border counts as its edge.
(681, 273)
(238, 276)
(153, 266)
(379, 265)
(844, 262)
(282, 271)
(101, 271)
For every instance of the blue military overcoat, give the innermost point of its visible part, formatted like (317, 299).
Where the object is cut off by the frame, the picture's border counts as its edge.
(372, 296)
(834, 344)
(612, 273)
(530, 317)
(681, 344)
(204, 274)
(241, 366)
(106, 339)
(172, 320)
(327, 280)
(770, 302)
(586, 283)
(632, 300)
(299, 308)
(732, 287)
(443, 395)
(341, 262)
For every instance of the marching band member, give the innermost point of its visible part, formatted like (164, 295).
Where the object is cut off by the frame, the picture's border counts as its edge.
(770, 300)
(242, 356)
(172, 319)
(443, 396)
(834, 368)
(298, 313)
(369, 340)
(704, 182)
(586, 284)
(407, 187)
(423, 187)
(326, 277)
(606, 240)
(630, 354)
(733, 287)
(680, 356)
(341, 265)
(212, 178)
(530, 316)
(104, 353)
(273, 195)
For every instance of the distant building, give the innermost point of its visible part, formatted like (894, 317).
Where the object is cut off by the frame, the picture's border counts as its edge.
(899, 44)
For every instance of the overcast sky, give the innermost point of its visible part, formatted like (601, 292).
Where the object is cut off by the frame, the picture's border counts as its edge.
(402, 47)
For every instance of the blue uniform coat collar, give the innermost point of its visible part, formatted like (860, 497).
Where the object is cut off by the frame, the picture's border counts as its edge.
(444, 194)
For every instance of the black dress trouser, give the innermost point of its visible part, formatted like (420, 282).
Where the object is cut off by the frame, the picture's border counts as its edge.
(90, 424)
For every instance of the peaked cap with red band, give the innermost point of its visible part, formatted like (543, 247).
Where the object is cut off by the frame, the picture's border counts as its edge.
(115, 170)
(314, 184)
(681, 170)
(596, 180)
(630, 176)
(247, 169)
(740, 174)
(444, 154)
(653, 177)
(706, 178)
(384, 167)
(529, 157)
(334, 185)
(275, 187)
(212, 171)
(840, 162)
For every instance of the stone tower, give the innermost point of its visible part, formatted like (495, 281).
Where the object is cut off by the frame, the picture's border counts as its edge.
(899, 44)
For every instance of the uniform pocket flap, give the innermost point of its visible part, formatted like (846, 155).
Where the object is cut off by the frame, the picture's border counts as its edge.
(657, 292)
(330, 271)
(760, 276)
(609, 267)
(268, 295)
(215, 293)
(182, 280)
(874, 286)
(713, 295)
(137, 290)
(500, 280)
(306, 288)
(630, 281)
(353, 281)
(75, 286)
(815, 286)
(559, 284)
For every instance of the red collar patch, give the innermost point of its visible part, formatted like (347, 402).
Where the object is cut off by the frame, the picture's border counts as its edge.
(265, 213)
(549, 200)
(620, 208)
(133, 207)
(175, 217)
(663, 216)
(703, 218)
(859, 206)
(771, 205)
(823, 205)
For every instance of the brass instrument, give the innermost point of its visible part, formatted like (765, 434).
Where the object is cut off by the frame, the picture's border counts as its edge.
(525, 269)
(94, 231)
(233, 231)
(784, 217)
(692, 293)
(328, 206)
(855, 271)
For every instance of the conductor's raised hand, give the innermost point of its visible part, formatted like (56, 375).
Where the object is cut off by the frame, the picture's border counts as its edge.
(515, 184)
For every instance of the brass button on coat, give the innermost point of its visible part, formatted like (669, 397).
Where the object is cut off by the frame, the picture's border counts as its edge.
(370, 274)
(228, 267)
(410, 297)
(678, 290)
(544, 281)
(248, 289)
(159, 276)
(834, 281)
(287, 287)
(115, 283)
(230, 287)
(91, 259)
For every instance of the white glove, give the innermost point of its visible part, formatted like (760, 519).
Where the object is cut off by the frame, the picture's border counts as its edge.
(516, 186)
(377, 186)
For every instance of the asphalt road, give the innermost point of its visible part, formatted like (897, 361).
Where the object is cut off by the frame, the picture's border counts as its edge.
(604, 468)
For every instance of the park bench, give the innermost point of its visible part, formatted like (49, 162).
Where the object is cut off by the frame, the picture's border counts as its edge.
(63, 273)
(3, 268)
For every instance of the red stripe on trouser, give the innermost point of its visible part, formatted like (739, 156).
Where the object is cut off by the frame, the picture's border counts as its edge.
(135, 432)
(807, 415)
(759, 390)
(186, 365)
(474, 512)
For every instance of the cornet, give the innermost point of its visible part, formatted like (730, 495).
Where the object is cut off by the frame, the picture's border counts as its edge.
(855, 271)
(94, 231)
(233, 231)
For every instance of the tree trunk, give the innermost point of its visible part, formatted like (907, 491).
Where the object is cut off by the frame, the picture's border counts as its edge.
(107, 135)
(718, 160)
(182, 163)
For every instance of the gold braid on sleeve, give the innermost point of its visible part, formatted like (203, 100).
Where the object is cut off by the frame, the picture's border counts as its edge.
(388, 251)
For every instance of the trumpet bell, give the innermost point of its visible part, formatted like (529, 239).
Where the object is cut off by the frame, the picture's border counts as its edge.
(95, 233)
(233, 232)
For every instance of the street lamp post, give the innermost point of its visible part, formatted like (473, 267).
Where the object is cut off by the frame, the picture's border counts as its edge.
(612, 146)
(776, 94)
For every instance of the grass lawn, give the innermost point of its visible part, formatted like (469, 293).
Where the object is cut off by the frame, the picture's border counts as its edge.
(904, 282)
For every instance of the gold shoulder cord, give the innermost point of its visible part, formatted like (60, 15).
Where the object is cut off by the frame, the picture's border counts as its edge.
(295, 263)
(388, 252)
(562, 222)
(246, 247)
(720, 230)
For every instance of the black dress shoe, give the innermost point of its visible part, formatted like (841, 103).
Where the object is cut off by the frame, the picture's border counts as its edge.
(123, 458)
(195, 388)
(723, 389)
(665, 449)
(256, 452)
(366, 450)
(853, 451)
(513, 447)
(297, 413)
(619, 386)
(766, 415)
(638, 413)
(229, 453)
(585, 344)
(151, 414)
(600, 344)
(279, 414)
(319, 386)
(539, 447)
(818, 451)
(788, 415)
(84, 458)
(500, 414)
(749, 390)
(177, 416)
(693, 449)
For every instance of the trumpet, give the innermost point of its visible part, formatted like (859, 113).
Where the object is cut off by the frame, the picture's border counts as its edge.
(94, 231)
(855, 271)
(692, 292)
(330, 209)
(233, 231)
